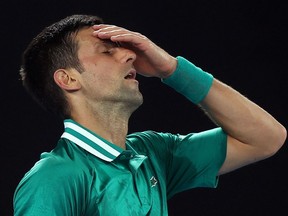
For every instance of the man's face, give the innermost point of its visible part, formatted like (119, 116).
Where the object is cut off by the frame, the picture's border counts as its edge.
(109, 74)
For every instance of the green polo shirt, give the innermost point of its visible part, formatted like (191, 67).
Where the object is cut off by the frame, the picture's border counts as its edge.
(87, 175)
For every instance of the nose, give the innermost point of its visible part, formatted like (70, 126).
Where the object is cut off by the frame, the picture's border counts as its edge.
(127, 55)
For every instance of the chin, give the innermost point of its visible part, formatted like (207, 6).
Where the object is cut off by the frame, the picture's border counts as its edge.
(136, 103)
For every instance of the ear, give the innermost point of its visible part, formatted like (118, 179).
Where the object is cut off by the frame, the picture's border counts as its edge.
(67, 79)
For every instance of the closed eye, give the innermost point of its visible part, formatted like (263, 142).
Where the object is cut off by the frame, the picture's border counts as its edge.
(109, 46)
(107, 51)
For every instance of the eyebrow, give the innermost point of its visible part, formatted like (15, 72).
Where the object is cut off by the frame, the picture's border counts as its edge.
(109, 42)
(105, 43)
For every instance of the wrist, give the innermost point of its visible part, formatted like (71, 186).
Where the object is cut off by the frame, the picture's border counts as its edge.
(189, 80)
(171, 68)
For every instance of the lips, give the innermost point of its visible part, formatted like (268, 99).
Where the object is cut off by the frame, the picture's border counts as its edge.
(131, 74)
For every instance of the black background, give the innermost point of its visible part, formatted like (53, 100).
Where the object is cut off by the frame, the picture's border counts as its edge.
(241, 42)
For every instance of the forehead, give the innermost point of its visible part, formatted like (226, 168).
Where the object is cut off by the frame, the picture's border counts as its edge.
(86, 39)
(85, 35)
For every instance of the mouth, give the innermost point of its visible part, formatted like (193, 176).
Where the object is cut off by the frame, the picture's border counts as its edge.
(131, 74)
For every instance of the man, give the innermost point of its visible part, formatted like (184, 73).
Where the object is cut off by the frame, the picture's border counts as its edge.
(85, 71)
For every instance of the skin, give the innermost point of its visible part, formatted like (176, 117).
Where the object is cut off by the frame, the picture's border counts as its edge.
(102, 98)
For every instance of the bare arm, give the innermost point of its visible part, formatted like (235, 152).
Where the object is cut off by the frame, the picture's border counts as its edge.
(253, 134)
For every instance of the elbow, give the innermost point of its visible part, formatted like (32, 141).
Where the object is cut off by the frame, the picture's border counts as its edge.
(282, 136)
(279, 139)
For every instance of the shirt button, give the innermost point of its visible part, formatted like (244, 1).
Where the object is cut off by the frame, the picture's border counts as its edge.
(122, 157)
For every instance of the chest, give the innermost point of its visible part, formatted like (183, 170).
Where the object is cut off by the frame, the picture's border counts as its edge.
(128, 187)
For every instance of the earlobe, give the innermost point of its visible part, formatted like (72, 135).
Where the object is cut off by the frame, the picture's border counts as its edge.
(66, 80)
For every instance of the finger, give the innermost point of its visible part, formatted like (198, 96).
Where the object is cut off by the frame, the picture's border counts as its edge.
(107, 33)
(119, 35)
(106, 28)
(99, 26)
(127, 37)
(111, 31)
(137, 41)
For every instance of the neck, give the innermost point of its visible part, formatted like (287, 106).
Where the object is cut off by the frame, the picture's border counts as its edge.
(109, 122)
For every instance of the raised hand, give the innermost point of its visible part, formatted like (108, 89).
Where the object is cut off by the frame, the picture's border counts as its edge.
(151, 61)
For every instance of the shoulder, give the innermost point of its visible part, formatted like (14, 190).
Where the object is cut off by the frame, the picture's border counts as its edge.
(162, 140)
(55, 182)
(59, 165)
(151, 136)
(150, 141)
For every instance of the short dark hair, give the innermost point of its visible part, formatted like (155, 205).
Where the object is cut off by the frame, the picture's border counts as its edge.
(53, 48)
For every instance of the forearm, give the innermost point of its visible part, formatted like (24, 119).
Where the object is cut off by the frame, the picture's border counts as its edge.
(241, 118)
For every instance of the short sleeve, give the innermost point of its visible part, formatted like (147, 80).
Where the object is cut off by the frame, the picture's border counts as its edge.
(196, 160)
(184, 161)
(51, 188)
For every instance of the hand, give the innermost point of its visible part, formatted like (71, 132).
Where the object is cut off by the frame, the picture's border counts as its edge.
(151, 61)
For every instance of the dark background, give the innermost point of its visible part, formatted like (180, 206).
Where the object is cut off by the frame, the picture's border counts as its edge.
(241, 42)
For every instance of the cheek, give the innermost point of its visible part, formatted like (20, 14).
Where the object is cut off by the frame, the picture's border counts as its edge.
(101, 74)
(101, 80)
